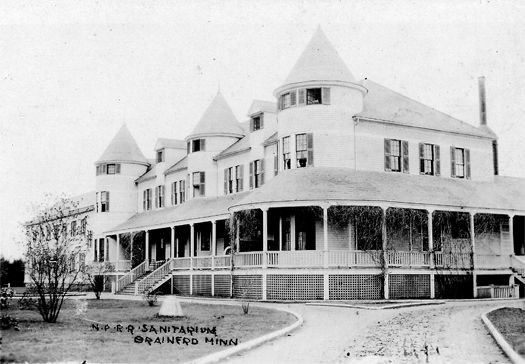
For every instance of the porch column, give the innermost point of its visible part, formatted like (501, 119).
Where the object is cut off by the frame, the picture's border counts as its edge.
(106, 249)
(265, 252)
(147, 245)
(131, 249)
(385, 255)
(118, 252)
(192, 247)
(95, 249)
(213, 244)
(280, 233)
(292, 232)
(430, 239)
(172, 242)
(473, 242)
(511, 233)
(325, 236)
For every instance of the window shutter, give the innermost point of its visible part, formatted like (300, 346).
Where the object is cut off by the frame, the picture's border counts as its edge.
(261, 122)
(467, 163)
(293, 98)
(107, 196)
(277, 157)
(262, 171)
(275, 165)
(326, 95)
(163, 197)
(404, 147)
(280, 102)
(187, 186)
(302, 98)
(97, 170)
(156, 197)
(117, 168)
(387, 155)
(251, 124)
(421, 158)
(452, 161)
(144, 200)
(310, 137)
(437, 161)
(251, 175)
(203, 145)
(225, 181)
(241, 180)
(104, 169)
(188, 147)
(202, 185)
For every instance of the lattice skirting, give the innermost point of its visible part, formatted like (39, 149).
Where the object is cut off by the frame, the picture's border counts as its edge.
(355, 287)
(247, 286)
(295, 287)
(409, 286)
(181, 285)
(222, 285)
(201, 285)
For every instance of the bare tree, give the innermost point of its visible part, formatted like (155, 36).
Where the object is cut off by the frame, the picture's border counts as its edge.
(96, 276)
(55, 256)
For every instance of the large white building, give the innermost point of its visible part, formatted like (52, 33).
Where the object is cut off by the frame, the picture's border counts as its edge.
(341, 189)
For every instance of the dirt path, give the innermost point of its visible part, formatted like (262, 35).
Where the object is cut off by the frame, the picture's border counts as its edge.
(451, 333)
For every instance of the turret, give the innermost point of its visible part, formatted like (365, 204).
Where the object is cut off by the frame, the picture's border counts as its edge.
(116, 171)
(217, 129)
(315, 108)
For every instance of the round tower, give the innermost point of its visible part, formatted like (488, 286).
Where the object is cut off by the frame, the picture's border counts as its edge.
(116, 171)
(217, 129)
(315, 108)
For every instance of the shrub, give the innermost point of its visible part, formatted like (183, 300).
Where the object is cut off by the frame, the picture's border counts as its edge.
(7, 322)
(150, 298)
(5, 297)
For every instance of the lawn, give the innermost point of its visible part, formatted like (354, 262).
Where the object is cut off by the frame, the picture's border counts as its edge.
(510, 322)
(130, 332)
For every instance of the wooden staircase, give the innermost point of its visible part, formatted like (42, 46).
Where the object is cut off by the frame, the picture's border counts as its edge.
(149, 279)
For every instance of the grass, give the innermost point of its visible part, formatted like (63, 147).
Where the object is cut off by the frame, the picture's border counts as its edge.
(73, 338)
(510, 322)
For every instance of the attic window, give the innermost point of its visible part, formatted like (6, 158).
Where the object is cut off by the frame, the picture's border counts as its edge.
(112, 168)
(313, 96)
(197, 145)
(256, 123)
(160, 156)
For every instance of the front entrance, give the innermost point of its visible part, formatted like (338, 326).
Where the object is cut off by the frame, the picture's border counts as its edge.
(519, 235)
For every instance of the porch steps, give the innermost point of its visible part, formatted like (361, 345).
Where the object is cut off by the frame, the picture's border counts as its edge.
(157, 275)
(130, 288)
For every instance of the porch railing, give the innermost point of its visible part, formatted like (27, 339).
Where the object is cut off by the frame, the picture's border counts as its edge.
(181, 263)
(122, 265)
(350, 258)
(492, 261)
(132, 275)
(222, 261)
(452, 260)
(303, 258)
(202, 262)
(248, 259)
(403, 258)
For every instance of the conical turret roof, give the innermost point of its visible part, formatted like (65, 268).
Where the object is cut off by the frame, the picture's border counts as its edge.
(218, 119)
(123, 148)
(319, 62)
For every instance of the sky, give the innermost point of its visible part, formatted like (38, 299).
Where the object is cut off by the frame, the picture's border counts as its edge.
(71, 72)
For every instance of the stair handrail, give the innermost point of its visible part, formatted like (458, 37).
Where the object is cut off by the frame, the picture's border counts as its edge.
(132, 275)
(156, 275)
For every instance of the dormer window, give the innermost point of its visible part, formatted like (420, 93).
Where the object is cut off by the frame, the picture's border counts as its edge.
(256, 122)
(160, 156)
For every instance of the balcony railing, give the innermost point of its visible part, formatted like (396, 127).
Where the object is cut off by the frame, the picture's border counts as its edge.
(333, 259)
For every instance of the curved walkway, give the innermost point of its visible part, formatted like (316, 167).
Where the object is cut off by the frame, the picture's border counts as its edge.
(449, 333)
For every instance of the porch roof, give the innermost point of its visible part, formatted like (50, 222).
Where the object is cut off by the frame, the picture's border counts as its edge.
(344, 184)
(198, 208)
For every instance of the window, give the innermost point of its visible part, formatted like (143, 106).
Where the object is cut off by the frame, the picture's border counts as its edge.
(83, 225)
(73, 227)
(110, 168)
(204, 238)
(197, 145)
(286, 153)
(228, 180)
(256, 122)
(429, 162)
(104, 201)
(174, 193)
(239, 173)
(301, 147)
(286, 100)
(160, 156)
(313, 96)
(96, 202)
(459, 162)
(256, 173)
(159, 196)
(396, 155)
(182, 191)
(198, 184)
(146, 199)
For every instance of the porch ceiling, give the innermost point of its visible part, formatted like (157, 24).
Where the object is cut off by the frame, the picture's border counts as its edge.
(194, 209)
(343, 184)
